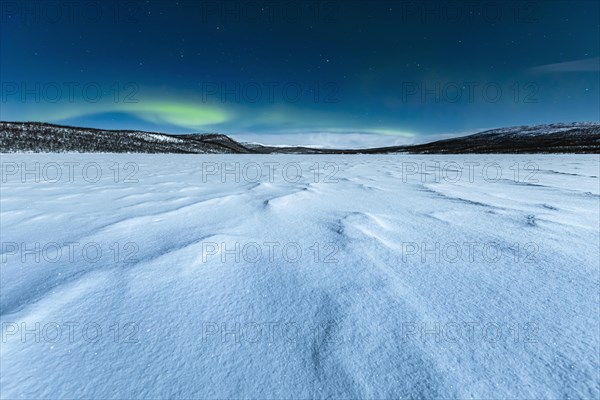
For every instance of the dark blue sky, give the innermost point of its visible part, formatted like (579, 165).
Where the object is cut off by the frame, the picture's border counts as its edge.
(393, 68)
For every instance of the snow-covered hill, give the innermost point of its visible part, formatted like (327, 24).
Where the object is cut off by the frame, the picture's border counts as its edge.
(553, 138)
(37, 137)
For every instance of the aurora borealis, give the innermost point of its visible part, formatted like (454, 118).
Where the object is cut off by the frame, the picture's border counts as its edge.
(399, 70)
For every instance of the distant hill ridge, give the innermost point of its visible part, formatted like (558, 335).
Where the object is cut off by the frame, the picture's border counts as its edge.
(577, 137)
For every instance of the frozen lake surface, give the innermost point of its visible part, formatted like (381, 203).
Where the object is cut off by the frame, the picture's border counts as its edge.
(279, 276)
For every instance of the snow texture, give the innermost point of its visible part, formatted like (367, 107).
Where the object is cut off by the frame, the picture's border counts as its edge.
(412, 281)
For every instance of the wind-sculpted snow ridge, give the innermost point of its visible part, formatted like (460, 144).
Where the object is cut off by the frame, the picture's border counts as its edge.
(284, 276)
(581, 138)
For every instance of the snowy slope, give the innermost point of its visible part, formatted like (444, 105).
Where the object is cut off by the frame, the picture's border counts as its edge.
(577, 138)
(399, 278)
(50, 138)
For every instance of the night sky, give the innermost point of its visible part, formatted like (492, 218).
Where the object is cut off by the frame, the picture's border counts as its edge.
(398, 71)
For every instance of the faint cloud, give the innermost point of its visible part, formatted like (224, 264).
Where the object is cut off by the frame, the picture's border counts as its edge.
(583, 65)
(325, 139)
